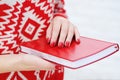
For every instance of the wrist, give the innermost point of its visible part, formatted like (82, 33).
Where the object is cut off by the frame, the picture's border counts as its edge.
(60, 14)
(9, 63)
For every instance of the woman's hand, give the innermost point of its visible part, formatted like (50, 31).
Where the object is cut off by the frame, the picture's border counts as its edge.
(61, 31)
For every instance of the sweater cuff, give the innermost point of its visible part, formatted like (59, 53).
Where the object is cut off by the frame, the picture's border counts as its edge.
(60, 14)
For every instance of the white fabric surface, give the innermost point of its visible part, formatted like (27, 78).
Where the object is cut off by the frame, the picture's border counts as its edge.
(98, 19)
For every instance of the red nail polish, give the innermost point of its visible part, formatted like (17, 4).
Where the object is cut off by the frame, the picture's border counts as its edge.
(61, 45)
(52, 44)
(78, 41)
(57, 67)
(67, 44)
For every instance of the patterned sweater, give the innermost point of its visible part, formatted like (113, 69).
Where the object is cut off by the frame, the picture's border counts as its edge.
(25, 20)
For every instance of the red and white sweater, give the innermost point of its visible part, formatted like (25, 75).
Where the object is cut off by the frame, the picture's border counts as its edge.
(25, 20)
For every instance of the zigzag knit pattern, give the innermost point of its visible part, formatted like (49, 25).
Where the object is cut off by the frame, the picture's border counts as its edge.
(25, 20)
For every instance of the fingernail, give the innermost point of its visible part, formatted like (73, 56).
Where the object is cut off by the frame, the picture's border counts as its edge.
(57, 67)
(78, 41)
(52, 44)
(67, 44)
(60, 44)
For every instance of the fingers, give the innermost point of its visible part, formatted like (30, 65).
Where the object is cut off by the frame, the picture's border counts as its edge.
(55, 32)
(63, 34)
(49, 32)
(70, 35)
(77, 35)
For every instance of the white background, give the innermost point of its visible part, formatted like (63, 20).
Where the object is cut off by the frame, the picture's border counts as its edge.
(98, 19)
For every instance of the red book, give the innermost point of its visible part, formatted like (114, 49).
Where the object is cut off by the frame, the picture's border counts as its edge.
(76, 56)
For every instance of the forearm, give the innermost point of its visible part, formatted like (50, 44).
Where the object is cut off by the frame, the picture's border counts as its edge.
(9, 63)
(23, 62)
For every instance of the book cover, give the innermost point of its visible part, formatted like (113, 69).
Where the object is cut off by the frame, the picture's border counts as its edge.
(76, 56)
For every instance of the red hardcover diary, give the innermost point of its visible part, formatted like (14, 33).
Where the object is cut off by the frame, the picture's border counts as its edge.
(76, 56)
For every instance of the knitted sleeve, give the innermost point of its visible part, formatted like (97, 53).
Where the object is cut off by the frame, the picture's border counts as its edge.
(59, 8)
